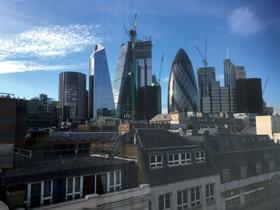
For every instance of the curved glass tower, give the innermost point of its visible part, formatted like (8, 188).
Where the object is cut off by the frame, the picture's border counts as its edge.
(182, 88)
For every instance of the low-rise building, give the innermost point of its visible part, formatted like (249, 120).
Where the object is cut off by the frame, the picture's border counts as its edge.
(268, 125)
(35, 182)
(180, 172)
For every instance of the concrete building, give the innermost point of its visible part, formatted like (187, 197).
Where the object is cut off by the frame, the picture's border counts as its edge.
(179, 171)
(35, 181)
(130, 199)
(269, 125)
(42, 112)
(249, 170)
(12, 127)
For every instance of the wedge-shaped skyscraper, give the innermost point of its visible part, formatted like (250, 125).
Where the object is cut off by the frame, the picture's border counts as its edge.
(100, 87)
(182, 87)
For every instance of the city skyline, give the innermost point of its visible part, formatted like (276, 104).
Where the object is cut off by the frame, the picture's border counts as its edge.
(32, 39)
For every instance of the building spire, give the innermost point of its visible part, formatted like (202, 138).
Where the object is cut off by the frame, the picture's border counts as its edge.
(227, 54)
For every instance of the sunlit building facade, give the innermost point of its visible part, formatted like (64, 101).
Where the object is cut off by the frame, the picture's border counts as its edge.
(182, 87)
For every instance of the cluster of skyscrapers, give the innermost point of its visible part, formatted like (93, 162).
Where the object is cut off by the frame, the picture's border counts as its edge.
(136, 93)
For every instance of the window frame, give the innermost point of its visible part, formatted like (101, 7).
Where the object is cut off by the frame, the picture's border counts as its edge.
(226, 174)
(208, 194)
(171, 161)
(156, 164)
(183, 204)
(115, 186)
(72, 195)
(164, 196)
(200, 158)
(197, 201)
(42, 193)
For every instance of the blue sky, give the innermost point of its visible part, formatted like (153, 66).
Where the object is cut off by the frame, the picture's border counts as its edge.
(39, 39)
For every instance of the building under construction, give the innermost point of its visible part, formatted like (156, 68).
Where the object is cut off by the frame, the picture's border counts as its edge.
(133, 79)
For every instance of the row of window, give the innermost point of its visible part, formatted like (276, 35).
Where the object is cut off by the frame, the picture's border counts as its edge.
(175, 159)
(41, 193)
(249, 197)
(243, 171)
(187, 198)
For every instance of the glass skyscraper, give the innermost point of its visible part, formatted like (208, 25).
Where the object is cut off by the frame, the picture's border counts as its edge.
(73, 96)
(143, 75)
(100, 87)
(182, 87)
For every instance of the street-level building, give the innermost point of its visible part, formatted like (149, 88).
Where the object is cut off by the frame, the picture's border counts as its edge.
(180, 172)
(35, 182)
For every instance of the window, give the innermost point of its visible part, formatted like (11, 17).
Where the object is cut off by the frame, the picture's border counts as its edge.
(243, 171)
(164, 201)
(108, 182)
(186, 158)
(101, 183)
(258, 168)
(233, 203)
(226, 175)
(210, 192)
(200, 157)
(179, 159)
(182, 200)
(155, 161)
(47, 195)
(39, 194)
(115, 181)
(195, 196)
(74, 187)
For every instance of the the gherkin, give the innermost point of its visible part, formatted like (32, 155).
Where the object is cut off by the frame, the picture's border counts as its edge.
(182, 87)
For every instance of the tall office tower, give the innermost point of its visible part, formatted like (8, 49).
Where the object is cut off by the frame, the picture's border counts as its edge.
(182, 88)
(215, 97)
(240, 72)
(100, 87)
(206, 76)
(125, 86)
(249, 95)
(73, 96)
(149, 101)
(232, 72)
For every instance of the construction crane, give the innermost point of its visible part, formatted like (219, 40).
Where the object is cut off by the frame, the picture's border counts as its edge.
(203, 58)
(265, 84)
(161, 65)
(132, 69)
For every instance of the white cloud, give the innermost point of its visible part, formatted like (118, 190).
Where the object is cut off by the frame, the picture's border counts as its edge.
(23, 66)
(58, 40)
(243, 21)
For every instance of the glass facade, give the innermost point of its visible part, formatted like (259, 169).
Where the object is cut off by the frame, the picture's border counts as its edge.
(121, 83)
(143, 74)
(73, 95)
(101, 95)
(182, 88)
